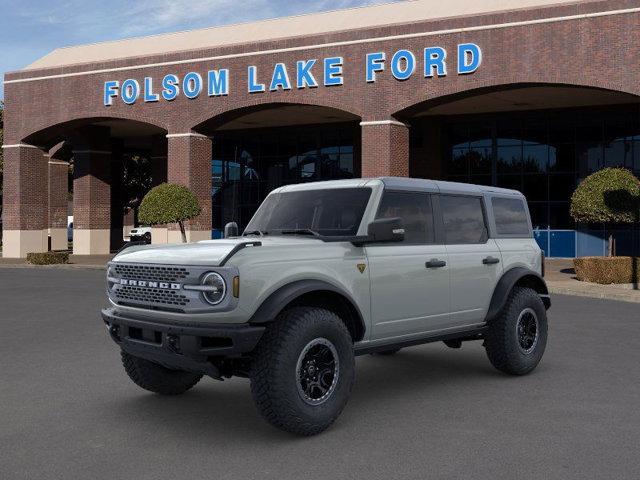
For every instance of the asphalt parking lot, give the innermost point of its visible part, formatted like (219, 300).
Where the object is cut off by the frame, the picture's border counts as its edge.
(67, 409)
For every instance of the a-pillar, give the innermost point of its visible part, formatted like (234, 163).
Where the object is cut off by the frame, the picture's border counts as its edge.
(25, 211)
(58, 192)
(189, 164)
(385, 148)
(159, 233)
(92, 192)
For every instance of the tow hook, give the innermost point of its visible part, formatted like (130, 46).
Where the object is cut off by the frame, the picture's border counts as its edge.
(114, 331)
(173, 343)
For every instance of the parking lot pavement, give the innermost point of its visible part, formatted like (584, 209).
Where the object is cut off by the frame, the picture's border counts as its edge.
(67, 410)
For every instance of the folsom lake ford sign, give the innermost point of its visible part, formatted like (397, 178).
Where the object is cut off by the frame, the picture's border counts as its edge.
(309, 73)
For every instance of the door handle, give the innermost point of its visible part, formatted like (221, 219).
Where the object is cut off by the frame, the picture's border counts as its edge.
(490, 260)
(435, 263)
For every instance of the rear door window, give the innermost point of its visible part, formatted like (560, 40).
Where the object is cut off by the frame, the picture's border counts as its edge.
(415, 211)
(511, 216)
(463, 219)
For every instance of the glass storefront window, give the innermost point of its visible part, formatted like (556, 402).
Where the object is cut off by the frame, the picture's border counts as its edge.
(544, 154)
(250, 163)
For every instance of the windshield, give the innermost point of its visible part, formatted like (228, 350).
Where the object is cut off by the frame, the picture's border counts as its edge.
(326, 212)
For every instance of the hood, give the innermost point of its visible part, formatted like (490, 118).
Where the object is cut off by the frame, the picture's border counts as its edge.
(207, 252)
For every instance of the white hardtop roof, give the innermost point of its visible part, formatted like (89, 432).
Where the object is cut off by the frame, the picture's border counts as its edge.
(402, 183)
(286, 27)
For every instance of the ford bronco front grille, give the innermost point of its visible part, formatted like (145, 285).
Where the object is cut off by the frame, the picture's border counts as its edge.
(142, 295)
(152, 273)
(166, 288)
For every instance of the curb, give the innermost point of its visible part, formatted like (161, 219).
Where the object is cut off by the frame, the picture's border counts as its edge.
(621, 297)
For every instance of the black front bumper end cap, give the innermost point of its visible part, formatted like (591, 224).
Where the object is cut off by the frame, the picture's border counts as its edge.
(183, 346)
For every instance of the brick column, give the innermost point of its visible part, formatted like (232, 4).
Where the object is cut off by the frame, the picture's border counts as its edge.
(58, 191)
(385, 149)
(159, 233)
(189, 164)
(25, 210)
(92, 192)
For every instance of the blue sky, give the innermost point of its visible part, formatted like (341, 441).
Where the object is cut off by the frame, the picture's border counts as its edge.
(30, 29)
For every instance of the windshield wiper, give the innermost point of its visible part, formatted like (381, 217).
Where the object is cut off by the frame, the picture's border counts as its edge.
(300, 231)
(260, 233)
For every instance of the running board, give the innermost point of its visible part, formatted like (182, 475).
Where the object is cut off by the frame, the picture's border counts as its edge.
(464, 336)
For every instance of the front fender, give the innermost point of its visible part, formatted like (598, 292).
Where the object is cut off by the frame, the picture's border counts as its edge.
(274, 303)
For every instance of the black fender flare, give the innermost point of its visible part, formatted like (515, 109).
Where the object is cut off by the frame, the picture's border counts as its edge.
(283, 296)
(509, 280)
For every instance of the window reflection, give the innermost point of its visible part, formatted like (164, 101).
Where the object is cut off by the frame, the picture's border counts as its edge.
(248, 164)
(543, 154)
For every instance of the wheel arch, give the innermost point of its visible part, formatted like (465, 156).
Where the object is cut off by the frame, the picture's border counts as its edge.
(516, 277)
(315, 293)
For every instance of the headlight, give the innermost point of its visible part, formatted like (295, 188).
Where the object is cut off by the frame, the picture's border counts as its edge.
(111, 280)
(214, 288)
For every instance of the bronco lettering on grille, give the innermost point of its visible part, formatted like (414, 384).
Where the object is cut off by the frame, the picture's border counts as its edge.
(149, 284)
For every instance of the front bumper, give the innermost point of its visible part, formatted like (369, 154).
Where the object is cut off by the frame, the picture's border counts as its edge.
(181, 346)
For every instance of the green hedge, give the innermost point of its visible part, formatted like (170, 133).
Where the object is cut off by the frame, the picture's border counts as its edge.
(607, 270)
(48, 258)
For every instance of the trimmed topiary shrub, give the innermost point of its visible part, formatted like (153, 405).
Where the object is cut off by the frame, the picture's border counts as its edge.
(48, 258)
(169, 203)
(611, 195)
(607, 270)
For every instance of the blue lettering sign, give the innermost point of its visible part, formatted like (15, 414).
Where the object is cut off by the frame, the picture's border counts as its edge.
(130, 91)
(149, 96)
(304, 77)
(218, 82)
(254, 87)
(110, 92)
(280, 78)
(434, 59)
(170, 87)
(375, 63)
(192, 85)
(333, 71)
(403, 64)
(469, 58)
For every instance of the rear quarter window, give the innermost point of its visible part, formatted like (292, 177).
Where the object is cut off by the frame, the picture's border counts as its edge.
(511, 216)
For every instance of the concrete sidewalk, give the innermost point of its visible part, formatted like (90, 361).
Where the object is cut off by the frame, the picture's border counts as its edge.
(561, 279)
(75, 261)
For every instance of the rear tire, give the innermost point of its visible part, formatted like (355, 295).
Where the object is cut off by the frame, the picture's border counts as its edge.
(303, 370)
(156, 378)
(515, 341)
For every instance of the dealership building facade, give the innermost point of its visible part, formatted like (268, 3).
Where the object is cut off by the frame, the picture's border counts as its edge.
(533, 95)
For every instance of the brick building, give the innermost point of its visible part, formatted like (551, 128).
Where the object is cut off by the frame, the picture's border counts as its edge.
(527, 94)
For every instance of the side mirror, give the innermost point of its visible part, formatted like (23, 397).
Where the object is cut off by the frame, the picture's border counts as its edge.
(231, 230)
(386, 230)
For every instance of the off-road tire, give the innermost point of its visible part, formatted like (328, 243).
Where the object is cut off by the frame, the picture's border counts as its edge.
(156, 378)
(502, 341)
(274, 375)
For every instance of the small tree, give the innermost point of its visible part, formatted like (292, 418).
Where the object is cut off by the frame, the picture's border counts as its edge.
(169, 203)
(611, 195)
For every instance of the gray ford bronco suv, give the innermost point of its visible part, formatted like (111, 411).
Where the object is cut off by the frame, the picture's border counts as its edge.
(324, 272)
